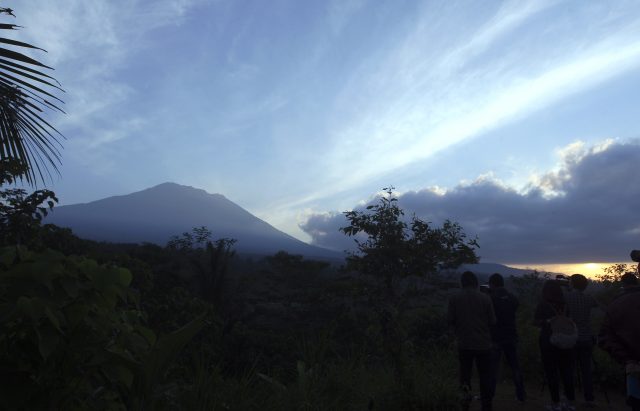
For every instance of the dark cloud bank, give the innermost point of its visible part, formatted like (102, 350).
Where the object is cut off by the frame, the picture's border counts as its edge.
(593, 213)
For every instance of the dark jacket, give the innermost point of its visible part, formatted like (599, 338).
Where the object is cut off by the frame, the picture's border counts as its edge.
(505, 306)
(471, 315)
(581, 304)
(620, 332)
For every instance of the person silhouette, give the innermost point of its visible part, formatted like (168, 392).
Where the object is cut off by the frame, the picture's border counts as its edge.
(580, 306)
(620, 335)
(470, 314)
(504, 334)
(555, 360)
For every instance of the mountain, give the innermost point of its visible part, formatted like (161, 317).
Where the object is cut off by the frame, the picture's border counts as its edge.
(157, 213)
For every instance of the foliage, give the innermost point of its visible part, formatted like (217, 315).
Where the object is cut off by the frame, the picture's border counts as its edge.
(393, 248)
(528, 288)
(147, 391)
(209, 258)
(73, 336)
(212, 269)
(285, 262)
(321, 344)
(20, 214)
(25, 135)
(64, 319)
(212, 390)
(196, 239)
(63, 240)
(612, 274)
(350, 385)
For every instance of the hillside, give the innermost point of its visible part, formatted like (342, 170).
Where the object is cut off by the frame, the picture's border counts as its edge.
(155, 214)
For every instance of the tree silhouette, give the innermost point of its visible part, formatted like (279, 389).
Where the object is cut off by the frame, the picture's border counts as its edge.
(394, 248)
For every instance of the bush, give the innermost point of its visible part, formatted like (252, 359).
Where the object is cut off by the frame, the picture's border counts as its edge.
(72, 336)
(64, 319)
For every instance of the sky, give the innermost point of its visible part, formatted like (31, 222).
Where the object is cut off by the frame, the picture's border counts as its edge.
(518, 119)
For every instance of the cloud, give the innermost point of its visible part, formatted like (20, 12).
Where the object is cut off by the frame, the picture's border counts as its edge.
(90, 43)
(585, 210)
(429, 91)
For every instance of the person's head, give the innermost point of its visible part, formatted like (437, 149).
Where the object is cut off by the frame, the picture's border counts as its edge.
(468, 280)
(629, 280)
(552, 292)
(496, 280)
(579, 282)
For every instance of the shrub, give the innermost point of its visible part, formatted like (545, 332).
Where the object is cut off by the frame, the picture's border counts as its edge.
(64, 319)
(72, 336)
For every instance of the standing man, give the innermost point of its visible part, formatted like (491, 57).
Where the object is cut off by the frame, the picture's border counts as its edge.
(471, 315)
(620, 335)
(504, 334)
(580, 306)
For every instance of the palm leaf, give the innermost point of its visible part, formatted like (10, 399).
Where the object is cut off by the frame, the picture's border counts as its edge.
(26, 94)
(26, 69)
(4, 26)
(19, 43)
(14, 55)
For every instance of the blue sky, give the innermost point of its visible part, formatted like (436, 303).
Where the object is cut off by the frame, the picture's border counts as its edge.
(295, 109)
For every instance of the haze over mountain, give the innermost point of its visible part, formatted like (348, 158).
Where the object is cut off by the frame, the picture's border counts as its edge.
(157, 213)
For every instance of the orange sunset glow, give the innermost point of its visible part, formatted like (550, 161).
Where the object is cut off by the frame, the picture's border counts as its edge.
(589, 269)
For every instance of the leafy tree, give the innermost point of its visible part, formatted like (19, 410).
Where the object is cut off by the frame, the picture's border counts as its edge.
(392, 248)
(389, 249)
(20, 213)
(209, 258)
(25, 95)
(196, 239)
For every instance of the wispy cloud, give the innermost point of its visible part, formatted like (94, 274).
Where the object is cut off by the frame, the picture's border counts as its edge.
(89, 44)
(460, 72)
(424, 99)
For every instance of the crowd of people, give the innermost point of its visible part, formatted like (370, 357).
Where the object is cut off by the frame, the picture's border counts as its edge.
(484, 321)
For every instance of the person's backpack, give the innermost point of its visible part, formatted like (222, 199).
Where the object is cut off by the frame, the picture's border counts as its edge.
(564, 332)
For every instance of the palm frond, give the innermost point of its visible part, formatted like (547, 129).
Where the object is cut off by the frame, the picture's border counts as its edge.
(26, 93)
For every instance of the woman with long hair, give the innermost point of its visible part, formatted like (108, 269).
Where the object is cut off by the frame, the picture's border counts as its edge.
(556, 361)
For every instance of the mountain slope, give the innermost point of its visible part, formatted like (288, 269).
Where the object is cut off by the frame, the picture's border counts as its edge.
(155, 214)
